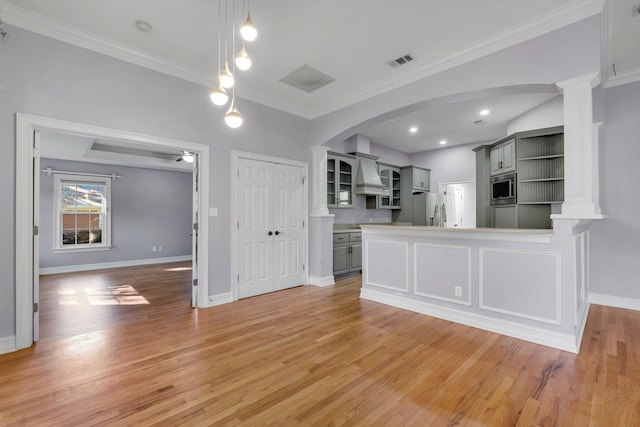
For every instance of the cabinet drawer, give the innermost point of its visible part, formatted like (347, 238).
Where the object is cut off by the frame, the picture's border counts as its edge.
(340, 237)
(355, 237)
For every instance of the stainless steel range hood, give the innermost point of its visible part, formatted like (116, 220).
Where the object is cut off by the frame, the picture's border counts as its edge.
(367, 179)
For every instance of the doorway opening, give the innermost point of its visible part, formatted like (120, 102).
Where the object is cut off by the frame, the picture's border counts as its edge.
(28, 173)
(460, 203)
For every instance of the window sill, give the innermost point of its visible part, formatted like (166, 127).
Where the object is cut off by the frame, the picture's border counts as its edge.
(81, 249)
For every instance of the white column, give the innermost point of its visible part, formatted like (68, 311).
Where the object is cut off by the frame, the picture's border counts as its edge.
(581, 173)
(319, 175)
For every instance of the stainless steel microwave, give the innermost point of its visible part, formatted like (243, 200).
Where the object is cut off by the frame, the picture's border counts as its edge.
(503, 189)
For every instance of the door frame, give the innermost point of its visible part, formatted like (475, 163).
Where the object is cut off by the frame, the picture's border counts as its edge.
(235, 157)
(443, 184)
(26, 125)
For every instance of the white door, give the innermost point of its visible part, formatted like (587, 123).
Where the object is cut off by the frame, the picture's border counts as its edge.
(270, 206)
(36, 237)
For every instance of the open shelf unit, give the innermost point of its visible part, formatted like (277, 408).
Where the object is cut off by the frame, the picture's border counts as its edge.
(540, 169)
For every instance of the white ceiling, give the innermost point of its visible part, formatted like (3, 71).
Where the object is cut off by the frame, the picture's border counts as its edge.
(350, 41)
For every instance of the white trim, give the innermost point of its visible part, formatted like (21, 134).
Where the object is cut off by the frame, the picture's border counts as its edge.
(466, 302)
(236, 155)
(367, 270)
(26, 125)
(322, 281)
(484, 234)
(615, 301)
(553, 20)
(219, 299)
(626, 77)
(582, 323)
(115, 264)
(533, 334)
(556, 255)
(7, 344)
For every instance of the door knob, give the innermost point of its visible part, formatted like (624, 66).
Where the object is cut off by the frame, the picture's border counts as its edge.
(279, 233)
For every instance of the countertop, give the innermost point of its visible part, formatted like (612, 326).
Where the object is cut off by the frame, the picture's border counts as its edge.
(495, 234)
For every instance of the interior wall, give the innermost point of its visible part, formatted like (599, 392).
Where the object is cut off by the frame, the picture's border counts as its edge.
(148, 208)
(615, 241)
(45, 77)
(457, 163)
(548, 114)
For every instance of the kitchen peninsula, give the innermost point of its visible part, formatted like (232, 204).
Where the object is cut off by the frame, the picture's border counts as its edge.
(529, 284)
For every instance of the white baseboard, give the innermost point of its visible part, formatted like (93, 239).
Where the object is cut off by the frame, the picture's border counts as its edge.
(566, 342)
(321, 281)
(7, 344)
(582, 323)
(116, 264)
(218, 299)
(615, 301)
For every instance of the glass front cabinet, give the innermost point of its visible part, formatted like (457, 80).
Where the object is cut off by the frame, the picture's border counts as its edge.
(341, 174)
(390, 177)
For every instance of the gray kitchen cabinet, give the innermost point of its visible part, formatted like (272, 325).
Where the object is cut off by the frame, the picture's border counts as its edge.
(347, 253)
(391, 183)
(503, 157)
(341, 175)
(421, 179)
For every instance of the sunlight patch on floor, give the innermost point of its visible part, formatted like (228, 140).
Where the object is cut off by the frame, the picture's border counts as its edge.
(112, 295)
(178, 269)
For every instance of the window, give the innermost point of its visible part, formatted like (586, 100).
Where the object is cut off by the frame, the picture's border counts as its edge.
(82, 206)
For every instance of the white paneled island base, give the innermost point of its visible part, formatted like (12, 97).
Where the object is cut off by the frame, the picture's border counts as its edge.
(528, 284)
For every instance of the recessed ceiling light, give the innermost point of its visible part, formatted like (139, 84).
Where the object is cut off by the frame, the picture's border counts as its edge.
(143, 26)
(443, 142)
(485, 112)
(413, 129)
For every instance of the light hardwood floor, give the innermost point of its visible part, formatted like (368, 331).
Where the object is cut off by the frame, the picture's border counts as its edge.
(306, 357)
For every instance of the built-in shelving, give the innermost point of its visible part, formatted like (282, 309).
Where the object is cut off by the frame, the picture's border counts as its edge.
(540, 169)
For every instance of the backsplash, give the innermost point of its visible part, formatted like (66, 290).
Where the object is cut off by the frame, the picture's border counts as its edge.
(360, 214)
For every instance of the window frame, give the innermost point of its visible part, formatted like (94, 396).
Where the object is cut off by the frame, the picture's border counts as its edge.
(59, 180)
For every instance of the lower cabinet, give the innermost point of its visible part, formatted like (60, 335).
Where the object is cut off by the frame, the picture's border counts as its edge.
(347, 253)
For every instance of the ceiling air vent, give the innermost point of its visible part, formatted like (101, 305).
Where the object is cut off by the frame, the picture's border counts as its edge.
(307, 78)
(401, 61)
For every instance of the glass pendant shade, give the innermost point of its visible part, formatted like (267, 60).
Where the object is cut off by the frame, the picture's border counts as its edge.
(243, 61)
(233, 119)
(225, 77)
(218, 95)
(248, 31)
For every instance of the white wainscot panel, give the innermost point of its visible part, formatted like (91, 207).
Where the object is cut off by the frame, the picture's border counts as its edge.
(387, 264)
(439, 269)
(521, 283)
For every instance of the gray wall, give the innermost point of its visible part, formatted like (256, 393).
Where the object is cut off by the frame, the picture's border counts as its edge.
(44, 77)
(448, 164)
(148, 208)
(615, 241)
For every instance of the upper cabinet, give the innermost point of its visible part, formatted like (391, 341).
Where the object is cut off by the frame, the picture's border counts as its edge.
(503, 157)
(390, 178)
(341, 175)
(421, 179)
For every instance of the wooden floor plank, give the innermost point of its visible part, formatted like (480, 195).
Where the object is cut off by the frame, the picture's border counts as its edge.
(123, 347)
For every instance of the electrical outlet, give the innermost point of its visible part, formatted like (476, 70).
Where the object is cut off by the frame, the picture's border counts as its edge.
(159, 248)
(154, 249)
(458, 290)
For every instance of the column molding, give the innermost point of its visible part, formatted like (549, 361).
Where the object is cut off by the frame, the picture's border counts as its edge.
(319, 175)
(581, 171)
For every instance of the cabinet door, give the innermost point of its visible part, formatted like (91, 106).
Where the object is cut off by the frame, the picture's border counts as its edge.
(356, 256)
(331, 182)
(395, 188)
(384, 201)
(496, 160)
(420, 179)
(505, 217)
(341, 258)
(345, 181)
(508, 156)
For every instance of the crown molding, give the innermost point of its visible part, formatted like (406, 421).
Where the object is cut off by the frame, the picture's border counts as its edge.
(555, 19)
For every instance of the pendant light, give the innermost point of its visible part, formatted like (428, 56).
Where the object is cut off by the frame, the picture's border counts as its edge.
(226, 77)
(243, 60)
(233, 118)
(248, 30)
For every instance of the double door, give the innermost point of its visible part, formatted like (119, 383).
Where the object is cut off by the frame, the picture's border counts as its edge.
(270, 227)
